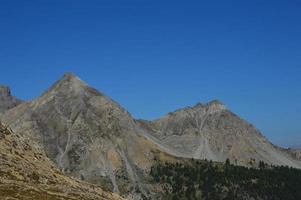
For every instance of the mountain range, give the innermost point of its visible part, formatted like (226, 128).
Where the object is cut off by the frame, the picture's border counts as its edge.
(90, 137)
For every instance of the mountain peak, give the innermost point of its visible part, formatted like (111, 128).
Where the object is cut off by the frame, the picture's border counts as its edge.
(215, 102)
(69, 82)
(216, 106)
(7, 101)
(4, 90)
(71, 77)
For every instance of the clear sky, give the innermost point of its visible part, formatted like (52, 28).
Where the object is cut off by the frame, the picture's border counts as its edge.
(156, 56)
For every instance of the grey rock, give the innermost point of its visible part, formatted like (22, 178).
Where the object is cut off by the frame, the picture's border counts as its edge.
(91, 137)
(87, 135)
(210, 131)
(295, 152)
(7, 101)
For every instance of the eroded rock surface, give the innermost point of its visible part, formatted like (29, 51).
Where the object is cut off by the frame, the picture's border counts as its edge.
(211, 131)
(87, 135)
(7, 101)
(92, 138)
(296, 153)
(27, 173)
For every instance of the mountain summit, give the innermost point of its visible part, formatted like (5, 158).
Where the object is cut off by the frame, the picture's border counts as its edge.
(87, 135)
(91, 137)
(7, 101)
(213, 132)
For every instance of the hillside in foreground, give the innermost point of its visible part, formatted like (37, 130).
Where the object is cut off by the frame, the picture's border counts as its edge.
(26, 173)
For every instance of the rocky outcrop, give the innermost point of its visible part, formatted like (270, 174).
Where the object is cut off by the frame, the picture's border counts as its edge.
(296, 153)
(7, 101)
(26, 173)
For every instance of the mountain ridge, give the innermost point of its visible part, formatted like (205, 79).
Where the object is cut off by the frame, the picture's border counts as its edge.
(91, 137)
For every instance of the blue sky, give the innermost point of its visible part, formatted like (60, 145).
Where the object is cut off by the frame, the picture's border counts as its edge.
(156, 56)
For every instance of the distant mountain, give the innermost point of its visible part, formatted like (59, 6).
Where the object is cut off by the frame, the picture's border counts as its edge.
(7, 101)
(26, 173)
(91, 137)
(213, 132)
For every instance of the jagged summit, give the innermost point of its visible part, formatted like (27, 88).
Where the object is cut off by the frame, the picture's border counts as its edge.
(67, 83)
(7, 101)
(4, 90)
(215, 102)
(211, 104)
(71, 77)
(216, 106)
(71, 93)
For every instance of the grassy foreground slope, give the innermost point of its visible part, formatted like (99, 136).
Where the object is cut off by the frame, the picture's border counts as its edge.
(26, 173)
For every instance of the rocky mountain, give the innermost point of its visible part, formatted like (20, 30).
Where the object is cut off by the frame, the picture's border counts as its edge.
(27, 173)
(7, 101)
(90, 137)
(87, 135)
(213, 132)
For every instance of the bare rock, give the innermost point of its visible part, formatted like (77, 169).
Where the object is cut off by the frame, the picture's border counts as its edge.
(91, 137)
(23, 175)
(7, 101)
(211, 131)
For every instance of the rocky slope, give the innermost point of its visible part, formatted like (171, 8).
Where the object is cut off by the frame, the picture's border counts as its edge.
(26, 173)
(88, 136)
(7, 101)
(296, 153)
(92, 138)
(213, 132)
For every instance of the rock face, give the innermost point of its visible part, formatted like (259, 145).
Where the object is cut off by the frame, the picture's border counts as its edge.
(296, 153)
(213, 132)
(87, 135)
(7, 101)
(92, 138)
(26, 173)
